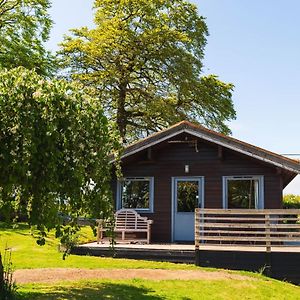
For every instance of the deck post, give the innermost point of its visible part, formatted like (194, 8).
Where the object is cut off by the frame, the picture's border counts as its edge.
(268, 256)
(268, 233)
(197, 257)
(98, 232)
(148, 232)
(197, 237)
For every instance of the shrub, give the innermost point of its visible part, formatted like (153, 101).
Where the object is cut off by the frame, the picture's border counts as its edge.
(291, 201)
(7, 284)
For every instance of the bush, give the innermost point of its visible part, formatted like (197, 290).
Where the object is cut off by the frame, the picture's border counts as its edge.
(291, 201)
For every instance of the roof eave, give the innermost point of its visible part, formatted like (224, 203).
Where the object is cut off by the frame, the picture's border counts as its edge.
(217, 140)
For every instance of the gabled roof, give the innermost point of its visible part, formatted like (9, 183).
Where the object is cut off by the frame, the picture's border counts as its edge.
(217, 138)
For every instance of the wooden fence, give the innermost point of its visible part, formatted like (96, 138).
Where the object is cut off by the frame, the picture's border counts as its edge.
(265, 228)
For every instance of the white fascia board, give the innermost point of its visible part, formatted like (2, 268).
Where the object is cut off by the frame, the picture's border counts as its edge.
(153, 143)
(237, 149)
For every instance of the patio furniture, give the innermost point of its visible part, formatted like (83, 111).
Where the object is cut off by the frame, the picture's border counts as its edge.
(126, 221)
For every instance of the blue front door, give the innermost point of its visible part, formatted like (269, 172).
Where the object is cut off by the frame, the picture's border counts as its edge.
(187, 195)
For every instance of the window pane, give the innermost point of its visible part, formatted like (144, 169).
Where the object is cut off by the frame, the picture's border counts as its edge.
(187, 196)
(242, 193)
(136, 194)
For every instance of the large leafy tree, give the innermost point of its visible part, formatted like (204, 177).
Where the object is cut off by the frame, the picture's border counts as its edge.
(55, 144)
(54, 147)
(145, 60)
(24, 27)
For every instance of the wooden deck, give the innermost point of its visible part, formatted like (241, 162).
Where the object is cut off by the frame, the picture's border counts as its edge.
(178, 253)
(186, 247)
(266, 240)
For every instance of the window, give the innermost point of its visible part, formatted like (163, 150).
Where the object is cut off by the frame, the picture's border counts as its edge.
(136, 193)
(243, 192)
(187, 195)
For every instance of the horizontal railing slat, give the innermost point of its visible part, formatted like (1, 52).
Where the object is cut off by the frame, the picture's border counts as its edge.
(272, 219)
(219, 232)
(268, 227)
(249, 211)
(242, 226)
(246, 246)
(253, 239)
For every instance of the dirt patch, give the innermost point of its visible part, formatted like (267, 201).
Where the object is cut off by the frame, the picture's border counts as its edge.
(69, 274)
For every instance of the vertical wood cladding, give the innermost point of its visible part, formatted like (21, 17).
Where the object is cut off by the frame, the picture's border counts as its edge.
(168, 160)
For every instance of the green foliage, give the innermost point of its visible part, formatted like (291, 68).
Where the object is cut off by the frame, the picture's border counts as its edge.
(145, 60)
(291, 201)
(55, 144)
(24, 27)
(7, 285)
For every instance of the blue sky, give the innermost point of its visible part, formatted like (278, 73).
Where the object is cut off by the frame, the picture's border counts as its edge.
(253, 44)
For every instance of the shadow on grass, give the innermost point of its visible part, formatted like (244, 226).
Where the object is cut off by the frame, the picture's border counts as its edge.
(13, 226)
(94, 291)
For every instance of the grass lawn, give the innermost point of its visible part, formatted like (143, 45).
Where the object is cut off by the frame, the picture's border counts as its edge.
(27, 254)
(167, 289)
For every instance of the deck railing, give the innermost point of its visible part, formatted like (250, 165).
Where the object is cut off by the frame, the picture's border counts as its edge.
(265, 228)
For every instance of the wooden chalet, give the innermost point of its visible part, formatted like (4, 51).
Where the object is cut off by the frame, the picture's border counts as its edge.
(170, 173)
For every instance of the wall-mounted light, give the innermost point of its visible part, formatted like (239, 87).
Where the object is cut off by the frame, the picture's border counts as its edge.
(186, 168)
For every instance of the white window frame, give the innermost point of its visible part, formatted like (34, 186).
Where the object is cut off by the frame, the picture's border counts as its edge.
(261, 201)
(151, 193)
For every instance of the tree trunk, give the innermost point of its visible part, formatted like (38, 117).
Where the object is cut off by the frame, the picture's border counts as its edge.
(121, 112)
(1, 278)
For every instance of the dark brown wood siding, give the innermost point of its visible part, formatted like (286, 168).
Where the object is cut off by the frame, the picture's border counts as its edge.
(211, 162)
